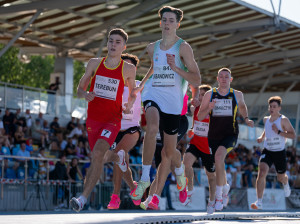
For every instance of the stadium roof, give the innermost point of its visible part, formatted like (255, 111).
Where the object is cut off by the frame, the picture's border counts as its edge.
(261, 48)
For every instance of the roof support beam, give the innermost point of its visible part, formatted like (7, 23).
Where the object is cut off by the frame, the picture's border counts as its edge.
(250, 58)
(13, 40)
(119, 19)
(297, 124)
(236, 37)
(265, 73)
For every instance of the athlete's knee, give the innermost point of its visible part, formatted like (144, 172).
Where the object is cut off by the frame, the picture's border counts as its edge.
(152, 130)
(262, 173)
(281, 177)
(211, 176)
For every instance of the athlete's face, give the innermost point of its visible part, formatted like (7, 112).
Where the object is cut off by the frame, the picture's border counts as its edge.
(274, 108)
(224, 79)
(168, 22)
(201, 95)
(115, 45)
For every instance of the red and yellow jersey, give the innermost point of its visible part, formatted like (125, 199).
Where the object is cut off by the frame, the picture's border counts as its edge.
(200, 133)
(108, 85)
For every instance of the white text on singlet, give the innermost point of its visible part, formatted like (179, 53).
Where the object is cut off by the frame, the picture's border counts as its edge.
(106, 87)
(201, 128)
(164, 77)
(223, 107)
(127, 116)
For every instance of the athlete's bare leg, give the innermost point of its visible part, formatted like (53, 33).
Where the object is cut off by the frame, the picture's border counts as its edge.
(220, 165)
(261, 179)
(95, 169)
(211, 184)
(188, 161)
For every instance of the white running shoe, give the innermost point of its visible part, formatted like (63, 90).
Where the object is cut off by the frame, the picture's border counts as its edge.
(122, 163)
(210, 208)
(287, 190)
(219, 204)
(225, 197)
(76, 204)
(256, 206)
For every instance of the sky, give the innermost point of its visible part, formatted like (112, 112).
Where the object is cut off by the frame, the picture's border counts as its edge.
(289, 8)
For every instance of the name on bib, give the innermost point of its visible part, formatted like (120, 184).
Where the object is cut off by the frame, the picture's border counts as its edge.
(163, 76)
(106, 87)
(273, 143)
(223, 107)
(201, 128)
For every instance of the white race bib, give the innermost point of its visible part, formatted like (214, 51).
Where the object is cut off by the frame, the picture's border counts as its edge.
(223, 107)
(201, 128)
(106, 87)
(163, 76)
(273, 143)
(127, 116)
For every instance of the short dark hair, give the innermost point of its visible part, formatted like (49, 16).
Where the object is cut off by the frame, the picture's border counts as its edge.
(224, 69)
(276, 99)
(120, 32)
(133, 58)
(177, 12)
(205, 87)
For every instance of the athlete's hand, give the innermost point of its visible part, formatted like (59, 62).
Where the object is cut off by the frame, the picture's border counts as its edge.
(195, 102)
(211, 105)
(171, 61)
(274, 128)
(127, 108)
(90, 96)
(260, 139)
(249, 123)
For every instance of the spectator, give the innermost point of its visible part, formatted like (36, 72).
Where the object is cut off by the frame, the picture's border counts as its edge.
(71, 125)
(82, 152)
(8, 122)
(38, 133)
(54, 126)
(40, 117)
(19, 135)
(77, 131)
(74, 174)
(70, 149)
(23, 153)
(42, 170)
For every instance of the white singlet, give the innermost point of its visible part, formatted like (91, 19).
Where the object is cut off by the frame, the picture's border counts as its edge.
(165, 87)
(133, 118)
(273, 141)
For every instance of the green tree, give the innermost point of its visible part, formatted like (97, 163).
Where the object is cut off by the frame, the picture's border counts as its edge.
(79, 70)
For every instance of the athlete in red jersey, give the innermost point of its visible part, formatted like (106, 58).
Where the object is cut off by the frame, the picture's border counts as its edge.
(199, 149)
(107, 76)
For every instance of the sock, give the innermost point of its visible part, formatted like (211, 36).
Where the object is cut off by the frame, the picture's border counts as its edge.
(179, 171)
(145, 173)
(259, 200)
(120, 157)
(83, 199)
(189, 193)
(148, 199)
(219, 192)
(211, 202)
(286, 185)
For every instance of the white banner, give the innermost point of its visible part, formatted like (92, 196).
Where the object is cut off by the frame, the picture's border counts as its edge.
(273, 199)
(197, 203)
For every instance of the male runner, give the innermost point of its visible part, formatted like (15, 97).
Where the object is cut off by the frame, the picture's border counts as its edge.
(108, 76)
(221, 104)
(277, 128)
(162, 97)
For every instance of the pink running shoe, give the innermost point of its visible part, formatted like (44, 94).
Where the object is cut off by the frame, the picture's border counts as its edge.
(154, 203)
(136, 202)
(183, 195)
(114, 202)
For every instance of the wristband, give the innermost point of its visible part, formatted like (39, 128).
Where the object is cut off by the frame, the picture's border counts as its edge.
(246, 118)
(278, 132)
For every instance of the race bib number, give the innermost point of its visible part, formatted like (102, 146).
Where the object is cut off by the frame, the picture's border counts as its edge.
(223, 107)
(273, 143)
(201, 128)
(164, 76)
(106, 87)
(106, 133)
(127, 116)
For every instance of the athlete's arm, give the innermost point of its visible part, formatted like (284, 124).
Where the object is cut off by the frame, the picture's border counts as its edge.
(85, 80)
(288, 130)
(206, 106)
(243, 107)
(150, 50)
(129, 73)
(262, 136)
(195, 96)
(186, 54)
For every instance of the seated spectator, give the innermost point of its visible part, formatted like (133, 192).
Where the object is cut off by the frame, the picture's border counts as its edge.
(8, 122)
(28, 121)
(74, 174)
(82, 152)
(77, 131)
(29, 146)
(54, 126)
(38, 133)
(19, 135)
(70, 149)
(23, 153)
(71, 125)
(42, 170)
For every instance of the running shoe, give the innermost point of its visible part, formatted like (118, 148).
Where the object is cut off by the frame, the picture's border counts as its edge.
(134, 201)
(76, 204)
(138, 193)
(114, 202)
(210, 208)
(144, 204)
(154, 203)
(256, 206)
(122, 163)
(181, 180)
(219, 204)
(287, 190)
